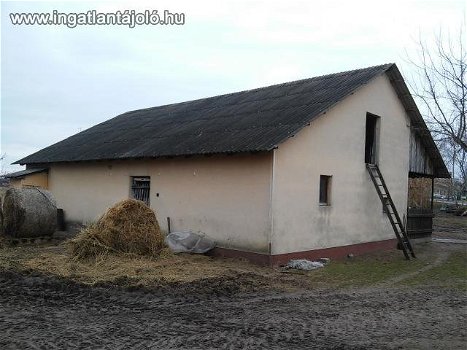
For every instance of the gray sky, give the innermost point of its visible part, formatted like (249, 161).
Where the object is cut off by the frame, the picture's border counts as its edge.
(57, 81)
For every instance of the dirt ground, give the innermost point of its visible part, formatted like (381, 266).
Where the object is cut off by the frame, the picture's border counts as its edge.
(451, 226)
(377, 301)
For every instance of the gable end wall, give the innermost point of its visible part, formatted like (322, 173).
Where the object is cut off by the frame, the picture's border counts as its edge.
(334, 145)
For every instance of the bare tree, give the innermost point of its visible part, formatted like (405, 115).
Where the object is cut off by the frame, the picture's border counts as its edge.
(439, 85)
(461, 166)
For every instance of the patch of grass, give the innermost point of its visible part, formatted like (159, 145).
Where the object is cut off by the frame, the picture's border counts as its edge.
(367, 270)
(450, 274)
(449, 226)
(392, 269)
(450, 221)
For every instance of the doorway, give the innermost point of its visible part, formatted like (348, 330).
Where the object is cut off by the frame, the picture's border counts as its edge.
(371, 138)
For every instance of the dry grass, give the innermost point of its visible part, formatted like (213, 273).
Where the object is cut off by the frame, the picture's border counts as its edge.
(125, 270)
(168, 269)
(128, 227)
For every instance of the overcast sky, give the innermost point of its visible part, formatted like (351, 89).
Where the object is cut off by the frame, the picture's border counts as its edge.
(57, 81)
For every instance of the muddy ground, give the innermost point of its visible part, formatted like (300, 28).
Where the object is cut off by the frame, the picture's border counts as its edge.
(46, 313)
(402, 311)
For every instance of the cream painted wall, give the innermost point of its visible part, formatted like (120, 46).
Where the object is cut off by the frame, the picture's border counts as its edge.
(334, 145)
(35, 180)
(232, 199)
(226, 197)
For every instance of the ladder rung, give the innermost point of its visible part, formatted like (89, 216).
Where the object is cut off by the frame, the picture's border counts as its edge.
(390, 210)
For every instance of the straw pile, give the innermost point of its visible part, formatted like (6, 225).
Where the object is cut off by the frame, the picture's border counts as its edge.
(130, 227)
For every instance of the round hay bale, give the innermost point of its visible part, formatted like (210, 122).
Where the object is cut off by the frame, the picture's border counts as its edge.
(130, 226)
(28, 212)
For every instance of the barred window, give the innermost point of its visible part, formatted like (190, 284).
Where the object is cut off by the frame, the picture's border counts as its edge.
(140, 186)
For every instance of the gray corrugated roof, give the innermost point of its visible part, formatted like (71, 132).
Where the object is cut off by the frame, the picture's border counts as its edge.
(25, 172)
(247, 121)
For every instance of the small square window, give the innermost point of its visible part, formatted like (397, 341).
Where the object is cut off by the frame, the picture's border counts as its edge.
(324, 190)
(140, 187)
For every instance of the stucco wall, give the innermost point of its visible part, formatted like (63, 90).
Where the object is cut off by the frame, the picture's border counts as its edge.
(334, 145)
(36, 180)
(232, 199)
(227, 197)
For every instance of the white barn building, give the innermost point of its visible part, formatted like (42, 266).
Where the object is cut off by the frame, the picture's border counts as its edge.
(270, 173)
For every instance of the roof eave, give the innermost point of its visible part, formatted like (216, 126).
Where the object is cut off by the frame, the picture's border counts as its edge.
(181, 155)
(397, 81)
(22, 173)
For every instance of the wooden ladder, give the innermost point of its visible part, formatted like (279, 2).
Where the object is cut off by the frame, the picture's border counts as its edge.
(390, 210)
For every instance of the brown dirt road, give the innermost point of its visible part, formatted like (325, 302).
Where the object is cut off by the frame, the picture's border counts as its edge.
(38, 312)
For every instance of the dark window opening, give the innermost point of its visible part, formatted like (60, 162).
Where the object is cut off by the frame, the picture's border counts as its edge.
(371, 139)
(324, 190)
(140, 186)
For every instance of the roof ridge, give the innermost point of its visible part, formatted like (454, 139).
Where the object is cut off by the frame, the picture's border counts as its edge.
(269, 116)
(318, 77)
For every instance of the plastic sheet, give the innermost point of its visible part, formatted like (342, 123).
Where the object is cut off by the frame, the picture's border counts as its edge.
(303, 264)
(189, 242)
